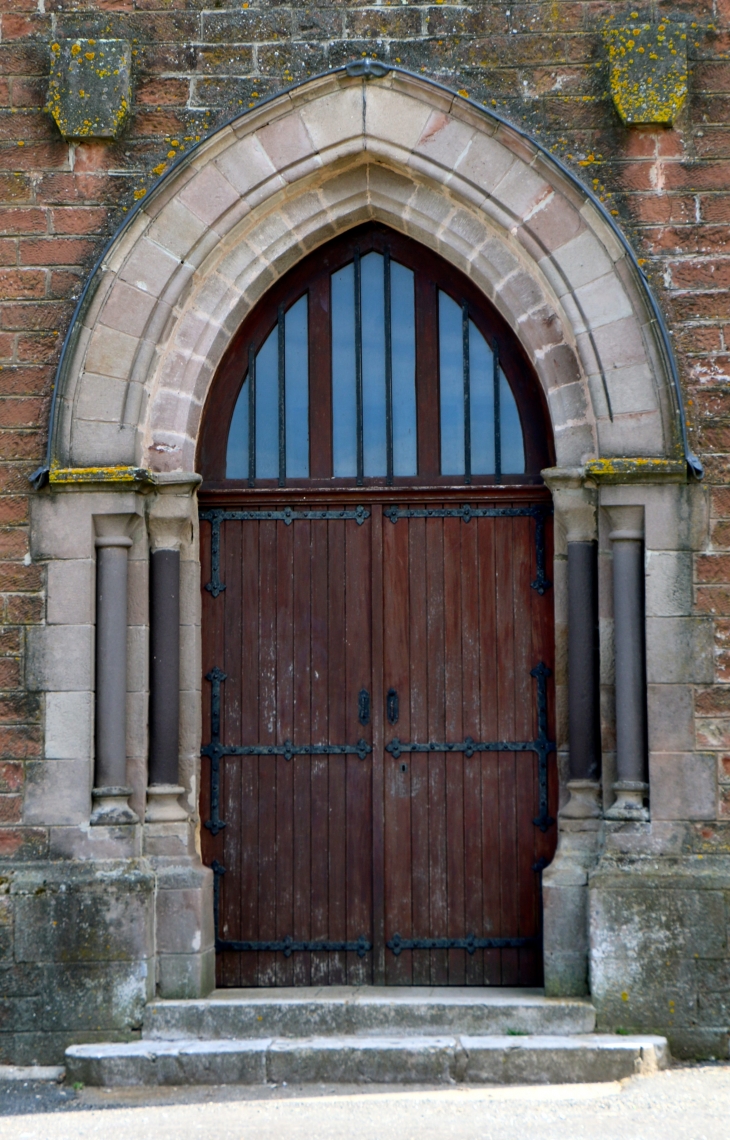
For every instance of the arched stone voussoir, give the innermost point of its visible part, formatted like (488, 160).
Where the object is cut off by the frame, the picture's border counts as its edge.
(268, 188)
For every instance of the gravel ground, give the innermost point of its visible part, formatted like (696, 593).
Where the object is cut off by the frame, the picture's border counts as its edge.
(684, 1103)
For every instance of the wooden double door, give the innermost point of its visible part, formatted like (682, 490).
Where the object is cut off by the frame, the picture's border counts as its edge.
(378, 785)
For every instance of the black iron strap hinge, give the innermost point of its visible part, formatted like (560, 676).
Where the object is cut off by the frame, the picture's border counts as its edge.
(537, 511)
(215, 750)
(286, 515)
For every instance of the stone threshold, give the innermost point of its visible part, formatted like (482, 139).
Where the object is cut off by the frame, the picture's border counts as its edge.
(497, 1060)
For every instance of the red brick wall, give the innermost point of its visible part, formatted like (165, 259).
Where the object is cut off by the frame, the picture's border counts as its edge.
(542, 64)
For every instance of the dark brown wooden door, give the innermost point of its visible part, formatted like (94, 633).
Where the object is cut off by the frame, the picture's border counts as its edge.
(362, 668)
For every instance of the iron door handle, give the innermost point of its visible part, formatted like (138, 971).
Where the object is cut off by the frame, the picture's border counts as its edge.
(391, 705)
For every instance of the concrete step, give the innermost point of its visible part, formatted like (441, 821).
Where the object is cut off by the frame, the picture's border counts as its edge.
(354, 1010)
(407, 1059)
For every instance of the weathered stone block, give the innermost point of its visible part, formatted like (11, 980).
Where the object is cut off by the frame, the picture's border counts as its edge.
(186, 975)
(98, 913)
(57, 791)
(683, 785)
(648, 70)
(90, 94)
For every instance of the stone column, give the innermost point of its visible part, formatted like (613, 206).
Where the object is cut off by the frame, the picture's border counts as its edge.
(576, 541)
(111, 792)
(184, 902)
(627, 543)
(169, 520)
(565, 881)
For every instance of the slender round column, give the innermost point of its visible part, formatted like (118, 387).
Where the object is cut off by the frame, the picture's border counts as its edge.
(170, 522)
(163, 779)
(111, 792)
(631, 786)
(576, 602)
(583, 722)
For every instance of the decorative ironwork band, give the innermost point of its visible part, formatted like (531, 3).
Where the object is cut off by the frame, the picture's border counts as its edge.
(362, 946)
(286, 946)
(286, 515)
(215, 750)
(470, 943)
(536, 511)
(542, 745)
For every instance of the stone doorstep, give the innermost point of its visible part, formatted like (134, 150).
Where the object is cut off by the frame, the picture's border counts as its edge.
(353, 1010)
(499, 1060)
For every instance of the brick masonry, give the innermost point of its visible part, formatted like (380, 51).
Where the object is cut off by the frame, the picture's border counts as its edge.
(543, 65)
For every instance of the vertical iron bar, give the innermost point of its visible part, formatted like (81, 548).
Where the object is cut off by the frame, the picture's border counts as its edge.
(282, 396)
(251, 415)
(467, 392)
(497, 414)
(388, 367)
(358, 365)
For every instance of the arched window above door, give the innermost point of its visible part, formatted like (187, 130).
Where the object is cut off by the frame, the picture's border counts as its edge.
(374, 360)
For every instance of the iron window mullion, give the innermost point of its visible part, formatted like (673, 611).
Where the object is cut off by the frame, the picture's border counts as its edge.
(467, 391)
(358, 366)
(497, 414)
(251, 415)
(388, 366)
(282, 396)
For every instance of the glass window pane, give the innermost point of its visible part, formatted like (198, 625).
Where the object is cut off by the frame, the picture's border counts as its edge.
(237, 450)
(403, 339)
(513, 448)
(267, 408)
(373, 365)
(481, 403)
(451, 383)
(296, 356)
(344, 407)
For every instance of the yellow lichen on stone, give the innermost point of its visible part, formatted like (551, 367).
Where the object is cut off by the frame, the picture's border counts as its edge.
(64, 476)
(637, 469)
(648, 69)
(89, 91)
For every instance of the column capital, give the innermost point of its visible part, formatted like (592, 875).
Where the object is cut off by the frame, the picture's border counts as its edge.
(575, 497)
(627, 523)
(169, 509)
(114, 529)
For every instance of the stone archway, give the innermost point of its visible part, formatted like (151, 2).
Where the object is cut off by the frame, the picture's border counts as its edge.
(221, 227)
(251, 200)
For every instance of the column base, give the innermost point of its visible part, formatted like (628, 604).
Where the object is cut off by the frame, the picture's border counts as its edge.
(111, 808)
(163, 804)
(584, 802)
(630, 797)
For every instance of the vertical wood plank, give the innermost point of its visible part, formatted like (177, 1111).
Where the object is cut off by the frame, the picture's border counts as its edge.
(397, 772)
(267, 735)
(302, 734)
(489, 720)
(453, 665)
(359, 821)
(471, 726)
(506, 731)
(337, 875)
(320, 735)
(378, 742)
(437, 846)
(249, 767)
(284, 731)
(418, 667)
